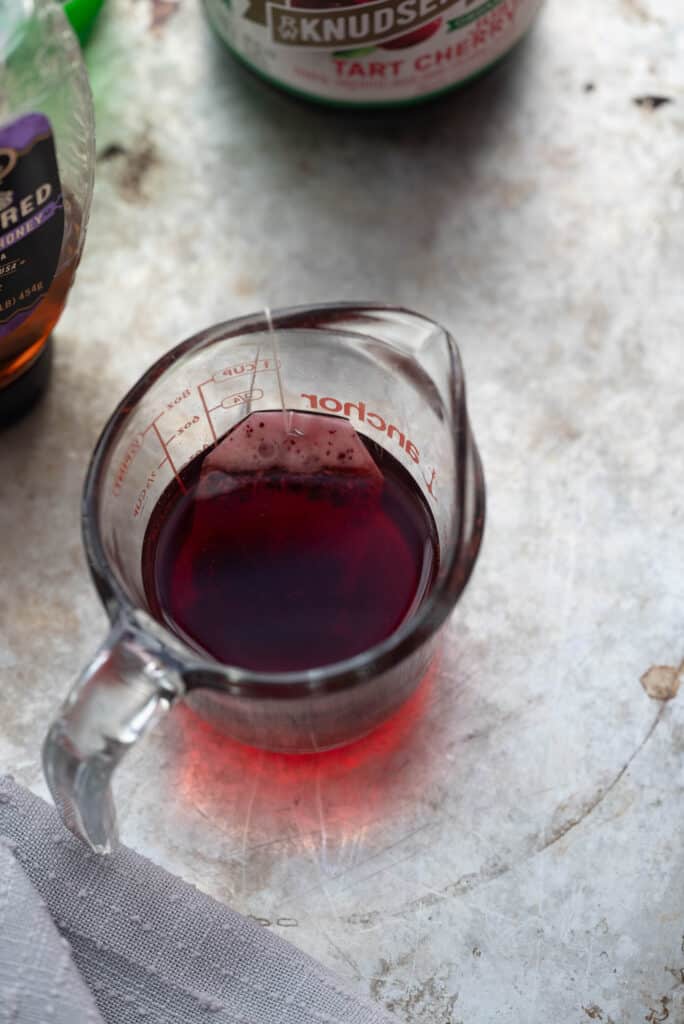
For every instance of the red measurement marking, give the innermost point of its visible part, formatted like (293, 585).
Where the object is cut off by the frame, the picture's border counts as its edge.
(126, 463)
(239, 369)
(225, 375)
(130, 455)
(240, 398)
(167, 453)
(142, 497)
(226, 402)
(431, 483)
(185, 427)
(185, 393)
(206, 411)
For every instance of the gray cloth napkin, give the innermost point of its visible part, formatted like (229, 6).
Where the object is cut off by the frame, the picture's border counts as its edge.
(142, 946)
(38, 979)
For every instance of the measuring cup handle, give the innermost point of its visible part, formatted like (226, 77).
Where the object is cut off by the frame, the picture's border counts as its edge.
(121, 695)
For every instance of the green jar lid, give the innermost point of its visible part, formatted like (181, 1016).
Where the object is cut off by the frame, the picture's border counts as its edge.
(82, 14)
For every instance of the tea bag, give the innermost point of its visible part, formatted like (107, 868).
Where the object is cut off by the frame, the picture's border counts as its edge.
(314, 448)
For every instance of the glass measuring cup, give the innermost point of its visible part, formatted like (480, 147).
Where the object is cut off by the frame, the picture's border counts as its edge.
(397, 377)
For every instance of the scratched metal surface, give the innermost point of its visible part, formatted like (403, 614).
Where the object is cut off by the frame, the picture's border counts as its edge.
(508, 849)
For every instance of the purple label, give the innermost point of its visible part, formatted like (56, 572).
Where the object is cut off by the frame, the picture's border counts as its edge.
(22, 133)
(28, 226)
(31, 218)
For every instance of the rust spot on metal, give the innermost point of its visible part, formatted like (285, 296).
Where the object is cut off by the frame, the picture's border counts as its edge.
(140, 160)
(652, 102)
(662, 682)
(659, 1015)
(162, 10)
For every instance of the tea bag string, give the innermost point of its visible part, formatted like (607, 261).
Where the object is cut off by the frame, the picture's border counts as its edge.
(288, 414)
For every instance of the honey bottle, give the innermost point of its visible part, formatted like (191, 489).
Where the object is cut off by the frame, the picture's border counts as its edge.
(46, 183)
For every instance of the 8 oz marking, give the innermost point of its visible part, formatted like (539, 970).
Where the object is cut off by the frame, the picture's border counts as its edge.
(186, 393)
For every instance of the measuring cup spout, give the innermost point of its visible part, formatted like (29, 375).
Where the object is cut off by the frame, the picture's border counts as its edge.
(118, 698)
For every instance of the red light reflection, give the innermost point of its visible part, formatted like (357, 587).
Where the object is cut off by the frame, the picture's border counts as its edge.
(349, 789)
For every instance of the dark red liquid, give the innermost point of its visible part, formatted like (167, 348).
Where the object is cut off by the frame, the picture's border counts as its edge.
(290, 571)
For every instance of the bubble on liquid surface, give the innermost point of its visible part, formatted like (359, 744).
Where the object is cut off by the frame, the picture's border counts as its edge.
(294, 444)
